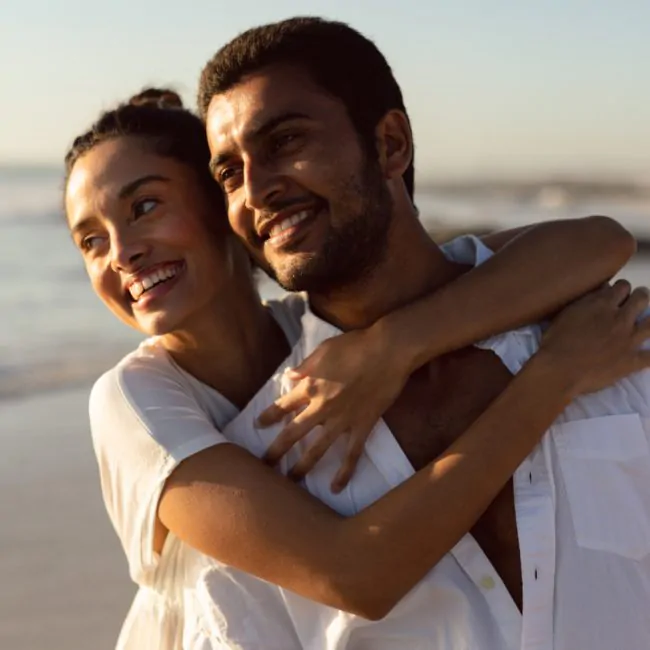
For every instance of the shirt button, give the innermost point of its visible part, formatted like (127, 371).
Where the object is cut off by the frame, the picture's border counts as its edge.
(487, 582)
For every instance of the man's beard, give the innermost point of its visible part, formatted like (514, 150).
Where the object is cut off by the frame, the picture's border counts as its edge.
(354, 248)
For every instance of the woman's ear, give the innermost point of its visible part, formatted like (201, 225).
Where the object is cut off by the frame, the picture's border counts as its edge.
(394, 143)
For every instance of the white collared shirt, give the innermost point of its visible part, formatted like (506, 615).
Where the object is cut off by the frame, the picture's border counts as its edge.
(582, 503)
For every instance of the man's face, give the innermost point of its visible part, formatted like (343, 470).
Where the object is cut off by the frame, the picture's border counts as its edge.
(307, 199)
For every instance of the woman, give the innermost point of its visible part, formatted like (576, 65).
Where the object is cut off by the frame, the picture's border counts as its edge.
(149, 222)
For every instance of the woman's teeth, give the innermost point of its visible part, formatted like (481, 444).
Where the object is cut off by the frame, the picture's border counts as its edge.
(151, 280)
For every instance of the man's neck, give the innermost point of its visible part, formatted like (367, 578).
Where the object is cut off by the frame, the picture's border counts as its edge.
(412, 267)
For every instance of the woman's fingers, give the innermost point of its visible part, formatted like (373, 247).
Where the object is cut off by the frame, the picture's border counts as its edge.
(642, 333)
(356, 445)
(619, 292)
(323, 440)
(297, 429)
(297, 398)
(636, 304)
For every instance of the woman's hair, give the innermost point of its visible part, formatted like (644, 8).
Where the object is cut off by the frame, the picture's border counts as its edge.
(157, 117)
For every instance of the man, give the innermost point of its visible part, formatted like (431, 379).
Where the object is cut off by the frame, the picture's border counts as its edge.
(312, 146)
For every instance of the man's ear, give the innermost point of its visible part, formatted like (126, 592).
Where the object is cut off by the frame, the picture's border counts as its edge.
(394, 144)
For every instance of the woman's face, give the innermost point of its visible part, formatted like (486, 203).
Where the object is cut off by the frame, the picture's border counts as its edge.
(141, 222)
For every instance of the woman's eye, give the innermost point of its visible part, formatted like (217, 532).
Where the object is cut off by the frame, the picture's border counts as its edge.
(143, 207)
(90, 242)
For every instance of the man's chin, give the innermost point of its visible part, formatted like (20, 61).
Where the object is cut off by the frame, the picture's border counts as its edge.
(312, 278)
(293, 271)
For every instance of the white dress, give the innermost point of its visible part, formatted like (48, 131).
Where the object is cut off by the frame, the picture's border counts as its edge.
(144, 422)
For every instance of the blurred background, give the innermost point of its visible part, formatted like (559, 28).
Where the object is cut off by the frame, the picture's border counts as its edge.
(521, 112)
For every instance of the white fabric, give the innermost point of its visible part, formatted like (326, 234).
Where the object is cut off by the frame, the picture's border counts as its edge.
(147, 415)
(582, 502)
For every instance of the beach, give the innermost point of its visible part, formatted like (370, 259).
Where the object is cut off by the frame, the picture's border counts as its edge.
(65, 584)
(64, 580)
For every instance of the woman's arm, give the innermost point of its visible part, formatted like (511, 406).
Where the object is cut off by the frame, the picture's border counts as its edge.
(223, 502)
(537, 270)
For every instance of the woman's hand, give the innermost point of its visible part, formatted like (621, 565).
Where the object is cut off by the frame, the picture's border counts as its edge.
(350, 381)
(599, 339)
(343, 387)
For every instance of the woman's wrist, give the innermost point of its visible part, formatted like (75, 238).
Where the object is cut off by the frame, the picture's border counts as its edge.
(553, 376)
(395, 340)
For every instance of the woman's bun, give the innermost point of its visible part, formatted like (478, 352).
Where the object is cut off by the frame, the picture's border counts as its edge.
(157, 97)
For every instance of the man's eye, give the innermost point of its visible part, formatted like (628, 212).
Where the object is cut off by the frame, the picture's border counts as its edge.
(143, 207)
(283, 140)
(227, 177)
(225, 174)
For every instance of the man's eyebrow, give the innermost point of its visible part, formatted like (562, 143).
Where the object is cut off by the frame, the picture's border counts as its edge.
(272, 123)
(216, 162)
(131, 187)
(259, 132)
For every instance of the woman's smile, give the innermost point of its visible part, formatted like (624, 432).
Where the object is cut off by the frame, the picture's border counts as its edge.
(154, 283)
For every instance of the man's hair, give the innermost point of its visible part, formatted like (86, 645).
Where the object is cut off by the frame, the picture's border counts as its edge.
(343, 62)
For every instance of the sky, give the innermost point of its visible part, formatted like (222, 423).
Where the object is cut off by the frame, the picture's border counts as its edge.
(494, 87)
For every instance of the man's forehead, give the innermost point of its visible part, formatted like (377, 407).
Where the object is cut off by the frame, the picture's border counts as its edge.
(261, 97)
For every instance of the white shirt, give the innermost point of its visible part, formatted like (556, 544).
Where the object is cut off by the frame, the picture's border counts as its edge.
(582, 502)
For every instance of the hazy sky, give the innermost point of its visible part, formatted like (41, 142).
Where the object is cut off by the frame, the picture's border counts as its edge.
(522, 87)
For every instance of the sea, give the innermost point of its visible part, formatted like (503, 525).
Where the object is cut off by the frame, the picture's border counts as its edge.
(55, 334)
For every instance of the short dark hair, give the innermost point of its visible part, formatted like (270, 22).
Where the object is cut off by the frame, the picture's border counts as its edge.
(158, 118)
(343, 62)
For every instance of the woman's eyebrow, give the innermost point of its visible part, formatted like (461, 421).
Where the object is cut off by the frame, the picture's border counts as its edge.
(131, 187)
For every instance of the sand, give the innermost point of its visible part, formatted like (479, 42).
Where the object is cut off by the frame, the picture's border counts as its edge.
(63, 579)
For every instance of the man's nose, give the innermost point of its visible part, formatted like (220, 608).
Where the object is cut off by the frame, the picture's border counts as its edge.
(262, 185)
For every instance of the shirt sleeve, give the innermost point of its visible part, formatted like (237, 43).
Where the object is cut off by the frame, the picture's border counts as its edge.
(466, 249)
(144, 422)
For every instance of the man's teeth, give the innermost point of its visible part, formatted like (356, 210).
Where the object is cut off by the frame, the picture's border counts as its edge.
(151, 280)
(288, 222)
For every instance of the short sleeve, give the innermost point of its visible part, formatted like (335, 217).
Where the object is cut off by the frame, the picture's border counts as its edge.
(144, 422)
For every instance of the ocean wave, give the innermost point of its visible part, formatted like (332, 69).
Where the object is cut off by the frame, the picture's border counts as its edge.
(51, 375)
(30, 217)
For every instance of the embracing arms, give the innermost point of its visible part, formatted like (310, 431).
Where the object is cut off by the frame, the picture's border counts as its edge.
(227, 504)
(537, 270)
